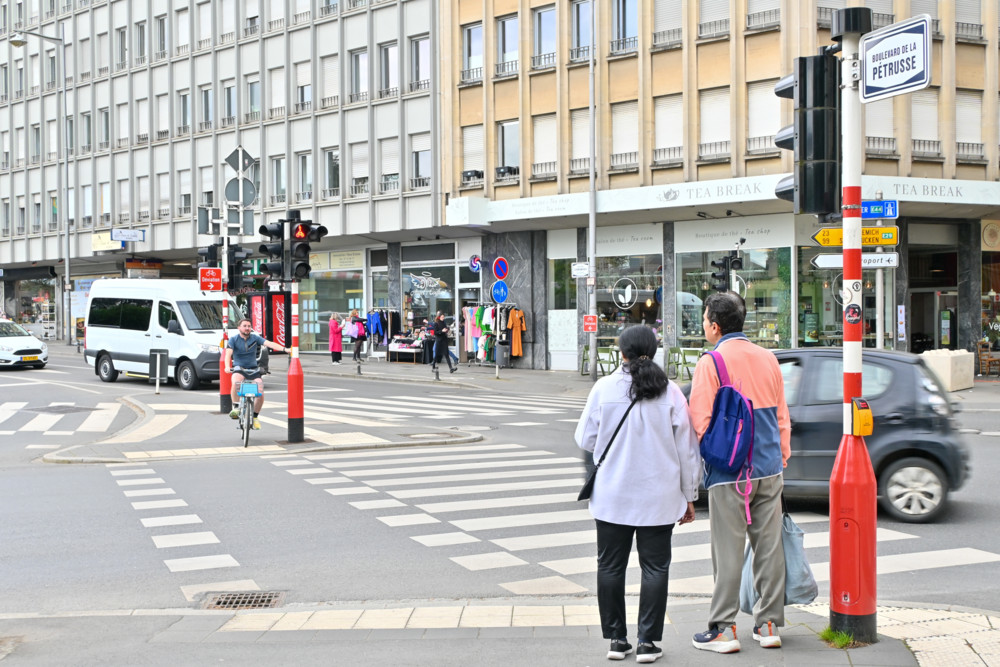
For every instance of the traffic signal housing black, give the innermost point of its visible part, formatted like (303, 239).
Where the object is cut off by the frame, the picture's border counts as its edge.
(209, 256)
(303, 233)
(735, 261)
(275, 250)
(237, 255)
(720, 277)
(814, 136)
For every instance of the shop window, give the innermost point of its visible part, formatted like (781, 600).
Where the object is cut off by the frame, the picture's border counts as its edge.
(562, 286)
(427, 290)
(628, 293)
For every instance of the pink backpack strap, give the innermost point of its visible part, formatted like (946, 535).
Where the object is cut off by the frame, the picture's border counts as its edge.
(720, 367)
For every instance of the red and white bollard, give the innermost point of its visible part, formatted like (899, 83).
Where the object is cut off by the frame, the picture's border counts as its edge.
(296, 426)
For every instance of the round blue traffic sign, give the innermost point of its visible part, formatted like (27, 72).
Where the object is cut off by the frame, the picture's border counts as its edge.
(499, 291)
(500, 268)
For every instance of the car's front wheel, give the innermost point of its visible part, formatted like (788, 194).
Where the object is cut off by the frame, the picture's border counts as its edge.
(913, 490)
(106, 369)
(187, 378)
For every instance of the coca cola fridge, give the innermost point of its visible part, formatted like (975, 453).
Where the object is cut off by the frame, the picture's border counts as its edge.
(271, 315)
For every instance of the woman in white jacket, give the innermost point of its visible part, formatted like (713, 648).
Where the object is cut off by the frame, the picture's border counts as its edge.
(646, 484)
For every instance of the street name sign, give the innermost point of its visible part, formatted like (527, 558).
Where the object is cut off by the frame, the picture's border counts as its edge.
(896, 59)
(834, 236)
(579, 269)
(882, 209)
(209, 278)
(128, 235)
(869, 260)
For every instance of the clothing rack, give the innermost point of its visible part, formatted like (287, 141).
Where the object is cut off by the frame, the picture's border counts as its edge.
(510, 305)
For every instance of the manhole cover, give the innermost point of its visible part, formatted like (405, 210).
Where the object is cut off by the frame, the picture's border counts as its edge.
(62, 409)
(249, 600)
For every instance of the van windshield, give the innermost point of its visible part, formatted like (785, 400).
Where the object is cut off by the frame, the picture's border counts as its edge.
(207, 314)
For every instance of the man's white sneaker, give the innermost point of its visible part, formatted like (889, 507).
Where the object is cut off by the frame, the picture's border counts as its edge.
(767, 635)
(718, 640)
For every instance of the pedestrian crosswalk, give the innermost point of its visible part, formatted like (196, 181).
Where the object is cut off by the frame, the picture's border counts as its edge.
(57, 419)
(509, 512)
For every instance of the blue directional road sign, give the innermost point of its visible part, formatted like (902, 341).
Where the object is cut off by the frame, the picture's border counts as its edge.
(882, 209)
(499, 291)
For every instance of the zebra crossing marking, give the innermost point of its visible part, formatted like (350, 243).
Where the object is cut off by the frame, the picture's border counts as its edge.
(135, 471)
(408, 451)
(464, 466)
(471, 477)
(146, 493)
(158, 504)
(486, 488)
(175, 520)
(328, 480)
(524, 424)
(375, 504)
(446, 457)
(497, 503)
(33, 446)
(101, 419)
(200, 563)
(407, 519)
(488, 561)
(308, 471)
(444, 539)
(184, 539)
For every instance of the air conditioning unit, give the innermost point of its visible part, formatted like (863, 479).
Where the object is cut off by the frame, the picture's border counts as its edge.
(472, 175)
(504, 172)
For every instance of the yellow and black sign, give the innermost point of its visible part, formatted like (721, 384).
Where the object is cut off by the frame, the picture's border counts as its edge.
(834, 236)
(861, 417)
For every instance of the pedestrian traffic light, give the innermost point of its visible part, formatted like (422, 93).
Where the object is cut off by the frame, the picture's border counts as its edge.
(720, 277)
(275, 251)
(814, 88)
(237, 255)
(209, 256)
(302, 234)
(735, 261)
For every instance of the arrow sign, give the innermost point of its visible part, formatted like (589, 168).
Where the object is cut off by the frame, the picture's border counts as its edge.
(209, 278)
(869, 260)
(834, 236)
(881, 209)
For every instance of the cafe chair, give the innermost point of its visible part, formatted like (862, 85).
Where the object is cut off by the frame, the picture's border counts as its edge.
(987, 360)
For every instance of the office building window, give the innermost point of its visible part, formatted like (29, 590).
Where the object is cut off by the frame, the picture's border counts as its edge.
(508, 148)
(420, 63)
(359, 75)
(388, 70)
(472, 52)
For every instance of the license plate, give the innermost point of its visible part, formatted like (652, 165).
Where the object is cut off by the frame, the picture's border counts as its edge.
(29, 358)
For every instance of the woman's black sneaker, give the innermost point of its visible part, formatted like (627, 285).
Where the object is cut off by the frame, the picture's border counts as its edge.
(647, 652)
(619, 649)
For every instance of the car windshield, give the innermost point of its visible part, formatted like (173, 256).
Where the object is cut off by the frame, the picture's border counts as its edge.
(8, 329)
(207, 314)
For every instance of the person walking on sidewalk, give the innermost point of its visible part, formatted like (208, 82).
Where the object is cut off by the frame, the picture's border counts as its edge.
(359, 340)
(756, 374)
(441, 343)
(336, 339)
(647, 483)
(242, 352)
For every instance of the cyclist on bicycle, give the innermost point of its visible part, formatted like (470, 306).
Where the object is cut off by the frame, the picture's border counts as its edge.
(241, 360)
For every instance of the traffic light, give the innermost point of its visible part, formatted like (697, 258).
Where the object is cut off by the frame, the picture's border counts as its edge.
(302, 234)
(237, 255)
(814, 87)
(720, 277)
(275, 251)
(209, 256)
(735, 261)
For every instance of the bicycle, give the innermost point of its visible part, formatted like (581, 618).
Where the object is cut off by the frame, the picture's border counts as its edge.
(248, 392)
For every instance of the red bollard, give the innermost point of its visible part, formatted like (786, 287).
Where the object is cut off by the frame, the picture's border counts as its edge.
(225, 384)
(296, 426)
(853, 514)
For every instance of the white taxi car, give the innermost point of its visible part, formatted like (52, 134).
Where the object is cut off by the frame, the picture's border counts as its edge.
(20, 348)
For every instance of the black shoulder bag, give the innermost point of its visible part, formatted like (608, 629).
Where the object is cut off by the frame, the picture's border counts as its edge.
(588, 486)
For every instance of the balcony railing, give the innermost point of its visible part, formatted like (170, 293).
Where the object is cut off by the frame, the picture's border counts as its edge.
(965, 150)
(275, 24)
(84, 76)
(140, 61)
(122, 142)
(51, 85)
(227, 37)
(204, 125)
(162, 134)
(251, 30)
(387, 93)
(160, 55)
(326, 10)
(579, 165)
(543, 61)
(628, 160)
(358, 97)
(876, 146)
(423, 84)
(670, 155)
(277, 199)
(5, 164)
(710, 29)
(543, 169)
(666, 38)
(124, 217)
(54, 225)
(471, 75)
(624, 45)
(302, 107)
(227, 121)
(33, 91)
(251, 117)
(5, 232)
(103, 145)
(182, 50)
(86, 221)
(51, 156)
(329, 101)
(770, 18)
(579, 54)
(144, 215)
(472, 178)
(163, 213)
(359, 189)
(85, 148)
(105, 219)
(204, 43)
(302, 17)
(824, 17)
(356, 4)
(420, 183)
(761, 145)
(331, 193)
(20, 229)
(182, 130)
(18, 94)
(969, 31)
(713, 150)
(508, 68)
(18, 162)
(275, 112)
(387, 185)
(507, 174)
(34, 159)
(926, 148)
(184, 210)
(305, 195)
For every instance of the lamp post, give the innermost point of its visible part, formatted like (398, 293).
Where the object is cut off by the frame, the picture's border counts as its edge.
(17, 39)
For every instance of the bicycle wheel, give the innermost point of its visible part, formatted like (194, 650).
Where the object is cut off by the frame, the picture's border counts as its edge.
(246, 420)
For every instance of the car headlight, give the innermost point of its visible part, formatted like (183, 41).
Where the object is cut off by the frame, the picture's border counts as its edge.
(209, 348)
(44, 347)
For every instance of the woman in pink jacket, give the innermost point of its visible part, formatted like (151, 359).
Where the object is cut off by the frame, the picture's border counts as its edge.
(336, 339)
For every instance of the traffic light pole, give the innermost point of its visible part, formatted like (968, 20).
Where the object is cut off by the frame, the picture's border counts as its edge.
(852, 482)
(296, 383)
(225, 379)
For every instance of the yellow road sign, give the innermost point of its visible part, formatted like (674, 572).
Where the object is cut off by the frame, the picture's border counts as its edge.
(834, 236)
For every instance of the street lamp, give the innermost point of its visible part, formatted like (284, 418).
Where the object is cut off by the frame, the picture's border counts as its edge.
(17, 39)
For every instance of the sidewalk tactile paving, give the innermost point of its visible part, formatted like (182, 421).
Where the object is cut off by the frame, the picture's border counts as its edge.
(944, 652)
(486, 616)
(389, 619)
(292, 621)
(333, 619)
(435, 617)
(537, 616)
(250, 622)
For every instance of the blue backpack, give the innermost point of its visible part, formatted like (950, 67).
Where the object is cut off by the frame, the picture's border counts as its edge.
(727, 445)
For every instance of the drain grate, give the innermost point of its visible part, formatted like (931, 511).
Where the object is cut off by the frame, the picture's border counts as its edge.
(248, 600)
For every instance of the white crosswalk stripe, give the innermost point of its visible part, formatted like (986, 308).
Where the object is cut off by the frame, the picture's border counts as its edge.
(57, 419)
(500, 509)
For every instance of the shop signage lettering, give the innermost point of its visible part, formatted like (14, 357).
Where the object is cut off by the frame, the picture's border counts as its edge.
(424, 281)
(929, 190)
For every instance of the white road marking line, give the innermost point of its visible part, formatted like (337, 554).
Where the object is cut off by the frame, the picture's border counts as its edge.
(524, 424)
(409, 451)
(571, 421)
(43, 446)
(308, 471)
(521, 520)
(490, 561)
(328, 480)
(200, 563)
(156, 427)
(139, 482)
(175, 520)
(547, 540)
(518, 403)
(278, 456)
(285, 464)
(464, 466)
(499, 503)
(442, 456)
(544, 586)
(62, 434)
(431, 404)
(184, 540)
(381, 406)
(125, 465)
(352, 490)
(338, 417)
(471, 477)
(101, 419)
(397, 520)
(136, 471)
(445, 539)
(184, 407)
(42, 422)
(158, 504)
(191, 593)
(487, 488)
(148, 493)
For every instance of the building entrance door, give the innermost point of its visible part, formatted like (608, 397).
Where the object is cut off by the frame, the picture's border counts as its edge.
(934, 320)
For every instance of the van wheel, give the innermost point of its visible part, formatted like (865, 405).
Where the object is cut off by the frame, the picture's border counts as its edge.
(913, 490)
(186, 377)
(106, 369)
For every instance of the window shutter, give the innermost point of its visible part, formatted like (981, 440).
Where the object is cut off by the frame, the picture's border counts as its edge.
(123, 123)
(714, 115)
(162, 113)
(968, 11)
(142, 187)
(545, 135)
(756, 6)
(277, 87)
(276, 10)
(968, 116)
(420, 142)
(184, 182)
(207, 184)
(713, 10)
(142, 116)
(302, 75)
(580, 129)
(331, 76)
(204, 21)
(666, 15)
(924, 105)
(625, 127)
(880, 6)
(763, 109)
(472, 148)
(390, 155)
(929, 7)
(183, 28)
(53, 137)
(163, 190)
(878, 118)
(669, 119)
(832, 4)
(123, 195)
(228, 16)
(359, 160)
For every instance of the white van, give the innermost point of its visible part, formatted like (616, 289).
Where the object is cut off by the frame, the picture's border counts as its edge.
(127, 318)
